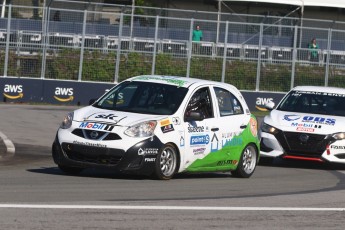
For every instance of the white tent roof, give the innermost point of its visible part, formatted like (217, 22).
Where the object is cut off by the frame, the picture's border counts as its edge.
(302, 3)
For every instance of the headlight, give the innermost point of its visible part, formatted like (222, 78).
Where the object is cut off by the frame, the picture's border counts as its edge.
(268, 128)
(67, 121)
(338, 136)
(144, 129)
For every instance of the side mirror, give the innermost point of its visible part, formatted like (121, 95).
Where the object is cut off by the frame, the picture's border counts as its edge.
(269, 105)
(194, 116)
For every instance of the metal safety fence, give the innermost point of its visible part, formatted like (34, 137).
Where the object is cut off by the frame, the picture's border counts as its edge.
(80, 45)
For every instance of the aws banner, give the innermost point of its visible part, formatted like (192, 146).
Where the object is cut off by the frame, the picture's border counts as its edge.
(50, 91)
(257, 100)
(19, 90)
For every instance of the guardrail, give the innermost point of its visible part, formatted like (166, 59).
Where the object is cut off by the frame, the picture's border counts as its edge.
(260, 57)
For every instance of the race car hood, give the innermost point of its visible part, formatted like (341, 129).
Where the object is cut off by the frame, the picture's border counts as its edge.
(92, 114)
(304, 122)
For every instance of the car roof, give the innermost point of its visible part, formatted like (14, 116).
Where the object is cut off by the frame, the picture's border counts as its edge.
(176, 80)
(325, 89)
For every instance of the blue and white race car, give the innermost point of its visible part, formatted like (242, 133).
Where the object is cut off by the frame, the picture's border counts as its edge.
(307, 124)
(161, 125)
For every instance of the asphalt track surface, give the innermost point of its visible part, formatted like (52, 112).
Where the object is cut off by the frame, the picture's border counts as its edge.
(35, 194)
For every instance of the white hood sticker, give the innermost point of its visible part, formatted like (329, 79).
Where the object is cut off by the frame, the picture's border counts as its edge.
(304, 122)
(106, 117)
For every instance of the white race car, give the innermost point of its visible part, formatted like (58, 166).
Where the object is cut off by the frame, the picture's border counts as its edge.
(307, 124)
(161, 125)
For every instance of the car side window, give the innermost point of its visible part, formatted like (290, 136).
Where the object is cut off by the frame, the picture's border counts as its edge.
(228, 104)
(201, 102)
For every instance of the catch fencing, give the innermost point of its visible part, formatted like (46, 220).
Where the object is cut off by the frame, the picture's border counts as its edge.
(98, 46)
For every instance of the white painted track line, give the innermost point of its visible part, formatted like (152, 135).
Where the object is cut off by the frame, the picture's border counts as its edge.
(10, 149)
(187, 208)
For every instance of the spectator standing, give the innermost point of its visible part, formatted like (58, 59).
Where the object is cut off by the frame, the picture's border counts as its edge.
(57, 16)
(314, 47)
(197, 34)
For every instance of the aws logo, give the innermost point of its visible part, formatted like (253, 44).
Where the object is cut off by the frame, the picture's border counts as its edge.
(13, 91)
(261, 101)
(64, 94)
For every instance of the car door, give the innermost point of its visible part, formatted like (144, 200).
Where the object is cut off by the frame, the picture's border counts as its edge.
(199, 132)
(232, 121)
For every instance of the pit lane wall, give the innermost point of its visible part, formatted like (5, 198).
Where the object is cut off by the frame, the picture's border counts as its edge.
(20, 90)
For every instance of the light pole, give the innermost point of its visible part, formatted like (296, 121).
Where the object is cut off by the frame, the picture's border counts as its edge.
(302, 16)
(218, 19)
(132, 18)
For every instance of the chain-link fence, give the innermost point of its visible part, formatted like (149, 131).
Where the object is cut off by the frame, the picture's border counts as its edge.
(91, 45)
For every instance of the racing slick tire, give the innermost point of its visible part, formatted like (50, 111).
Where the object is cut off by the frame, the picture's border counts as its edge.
(247, 164)
(166, 163)
(70, 170)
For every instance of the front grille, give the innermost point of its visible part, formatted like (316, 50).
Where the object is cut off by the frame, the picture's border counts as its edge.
(105, 136)
(292, 144)
(92, 154)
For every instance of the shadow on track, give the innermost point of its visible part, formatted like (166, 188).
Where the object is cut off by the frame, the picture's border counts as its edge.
(300, 164)
(113, 174)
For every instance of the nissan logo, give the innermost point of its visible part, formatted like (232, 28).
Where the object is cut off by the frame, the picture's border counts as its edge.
(94, 134)
(304, 138)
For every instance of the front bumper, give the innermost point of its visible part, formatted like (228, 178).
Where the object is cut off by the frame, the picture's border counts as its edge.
(140, 158)
(287, 145)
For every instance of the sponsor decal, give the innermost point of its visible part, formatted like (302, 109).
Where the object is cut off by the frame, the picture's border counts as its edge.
(13, 91)
(227, 162)
(320, 93)
(165, 122)
(214, 143)
(107, 116)
(89, 125)
(147, 151)
(64, 94)
(182, 139)
(171, 80)
(337, 147)
(228, 135)
(303, 129)
(167, 128)
(261, 101)
(150, 159)
(89, 144)
(199, 151)
(176, 121)
(306, 125)
(236, 141)
(253, 126)
(334, 94)
(319, 120)
(200, 140)
(196, 129)
(291, 117)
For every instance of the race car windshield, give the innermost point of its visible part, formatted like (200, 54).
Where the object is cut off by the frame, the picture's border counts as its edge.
(314, 102)
(143, 97)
